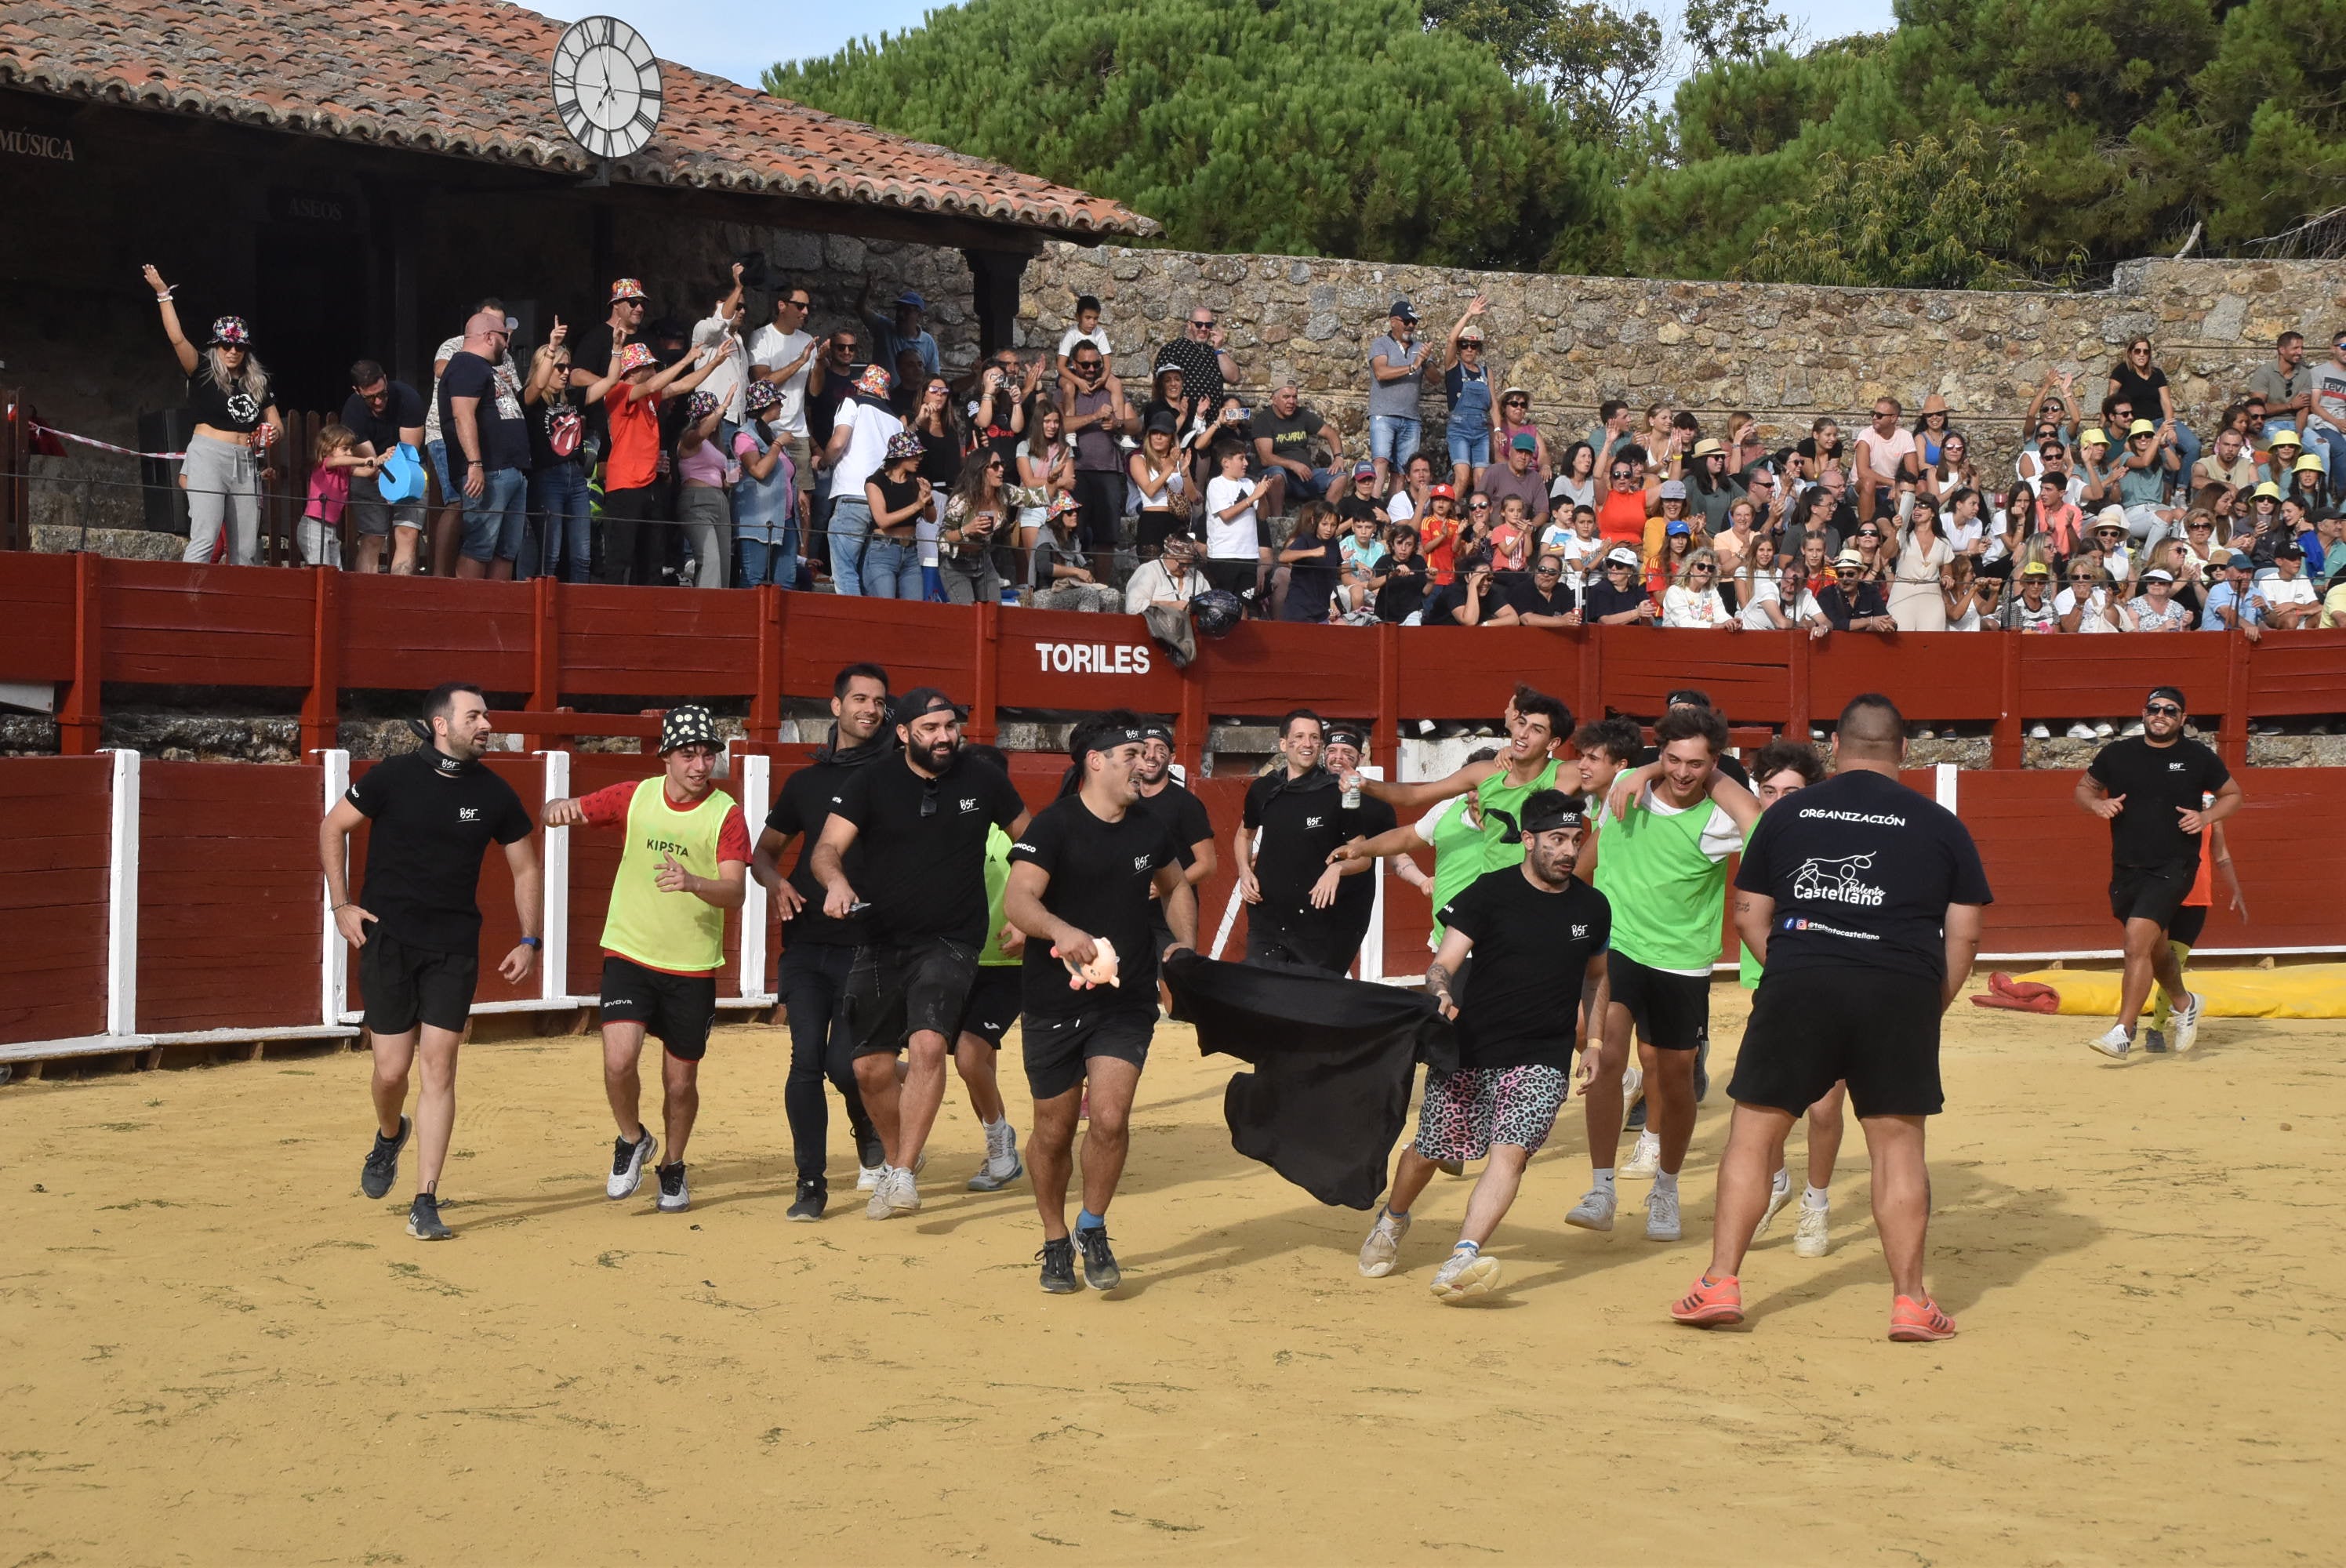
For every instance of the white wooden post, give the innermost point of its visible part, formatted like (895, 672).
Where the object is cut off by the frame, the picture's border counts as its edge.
(553, 954)
(122, 898)
(1372, 946)
(757, 772)
(333, 953)
(1947, 773)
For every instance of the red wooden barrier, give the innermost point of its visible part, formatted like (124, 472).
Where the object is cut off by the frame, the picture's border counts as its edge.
(229, 905)
(79, 621)
(53, 896)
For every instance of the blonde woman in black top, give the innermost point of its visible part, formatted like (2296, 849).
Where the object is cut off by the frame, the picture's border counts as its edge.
(227, 461)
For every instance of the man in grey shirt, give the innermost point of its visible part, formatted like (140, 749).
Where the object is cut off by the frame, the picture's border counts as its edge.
(2286, 386)
(1397, 367)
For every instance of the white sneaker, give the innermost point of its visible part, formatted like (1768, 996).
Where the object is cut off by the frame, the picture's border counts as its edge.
(1633, 1081)
(2039, 732)
(1813, 1238)
(1662, 1215)
(904, 1198)
(1465, 1275)
(1383, 1248)
(1780, 1193)
(2081, 730)
(1002, 1165)
(2114, 1044)
(867, 1177)
(1645, 1158)
(2134, 729)
(627, 1163)
(878, 1208)
(1594, 1211)
(2186, 1020)
(2104, 729)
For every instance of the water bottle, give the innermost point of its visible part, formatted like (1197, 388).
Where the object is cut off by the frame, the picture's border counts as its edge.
(1352, 794)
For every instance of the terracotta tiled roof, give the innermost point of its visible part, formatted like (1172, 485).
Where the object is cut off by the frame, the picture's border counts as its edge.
(469, 77)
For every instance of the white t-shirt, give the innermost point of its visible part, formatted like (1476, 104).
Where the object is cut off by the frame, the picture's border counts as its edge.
(1969, 621)
(1578, 554)
(728, 381)
(1767, 588)
(2097, 616)
(1693, 608)
(869, 426)
(1095, 338)
(1399, 509)
(1233, 538)
(2296, 590)
(770, 349)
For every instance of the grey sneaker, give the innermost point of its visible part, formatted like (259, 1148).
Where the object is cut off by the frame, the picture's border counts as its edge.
(1002, 1164)
(424, 1220)
(1662, 1215)
(2153, 1040)
(381, 1167)
(1100, 1271)
(1058, 1260)
(1780, 1193)
(627, 1163)
(1594, 1211)
(1464, 1275)
(1383, 1248)
(675, 1197)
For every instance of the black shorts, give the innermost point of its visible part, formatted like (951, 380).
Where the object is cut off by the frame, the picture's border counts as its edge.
(404, 986)
(994, 1000)
(675, 1008)
(2151, 893)
(1099, 500)
(896, 992)
(1057, 1049)
(1231, 577)
(1813, 1027)
(2188, 922)
(1672, 1012)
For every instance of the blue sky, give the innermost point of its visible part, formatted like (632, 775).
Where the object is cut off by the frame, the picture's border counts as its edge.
(727, 39)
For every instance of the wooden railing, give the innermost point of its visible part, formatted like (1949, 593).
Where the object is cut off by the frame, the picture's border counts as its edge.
(84, 622)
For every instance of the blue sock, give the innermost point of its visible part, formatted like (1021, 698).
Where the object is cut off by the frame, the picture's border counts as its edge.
(1086, 1220)
(1465, 1246)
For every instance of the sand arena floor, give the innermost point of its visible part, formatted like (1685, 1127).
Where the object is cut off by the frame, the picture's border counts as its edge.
(218, 1352)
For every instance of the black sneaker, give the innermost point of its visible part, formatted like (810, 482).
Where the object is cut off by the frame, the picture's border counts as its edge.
(869, 1151)
(1058, 1266)
(1100, 1271)
(1636, 1122)
(628, 1162)
(675, 1197)
(381, 1167)
(424, 1220)
(813, 1198)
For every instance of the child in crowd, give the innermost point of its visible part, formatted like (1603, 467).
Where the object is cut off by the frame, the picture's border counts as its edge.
(335, 460)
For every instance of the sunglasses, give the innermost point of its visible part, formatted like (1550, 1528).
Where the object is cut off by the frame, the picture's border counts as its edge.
(1548, 571)
(799, 304)
(1625, 474)
(849, 347)
(1518, 402)
(2087, 579)
(1618, 567)
(1207, 322)
(2162, 710)
(1478, 506)
(1845, 572)
(1867, 533)
(993, 463)
(1702, 570)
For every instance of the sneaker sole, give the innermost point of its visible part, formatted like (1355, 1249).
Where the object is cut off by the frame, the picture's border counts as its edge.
(2098, 1049)
(795, 1217)
(1675, 1233)
(666, 1207)
(1115, 1279)
(443, 1235)
(1717, 1315)
(1059, 1288)
(1378, 1269)
(1479, 1277)
(1918, 1334)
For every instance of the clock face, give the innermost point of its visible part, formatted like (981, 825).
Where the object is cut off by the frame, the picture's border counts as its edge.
(606, 87)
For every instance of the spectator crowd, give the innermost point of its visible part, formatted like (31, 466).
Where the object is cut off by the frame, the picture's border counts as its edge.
(1114, 477)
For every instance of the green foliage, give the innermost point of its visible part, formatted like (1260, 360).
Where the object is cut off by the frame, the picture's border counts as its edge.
(1925, 216)
(1311, 126)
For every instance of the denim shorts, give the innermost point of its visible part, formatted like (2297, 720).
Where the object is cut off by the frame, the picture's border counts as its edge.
(1392, 438)
(1473, 450)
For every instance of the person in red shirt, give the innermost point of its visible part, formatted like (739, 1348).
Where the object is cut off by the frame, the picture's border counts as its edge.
(632, 464)
(1621, 515)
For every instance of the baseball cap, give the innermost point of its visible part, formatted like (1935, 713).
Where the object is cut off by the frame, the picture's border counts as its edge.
(626, 289)
(687, 724)
(1680, 530)
(1168, 424)
(2289, 551)
(1525, 441)
(1673, 490)
(2158, 575)
(2036, 569)
(1365, 469)
(1402, 308)
(1621, 555)
(921, 701)
(2172, 693)
(912, 297)
(1157, 729)
(1442, 490)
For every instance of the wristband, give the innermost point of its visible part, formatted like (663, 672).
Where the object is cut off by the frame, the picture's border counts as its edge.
(472, 463)
(533, 944)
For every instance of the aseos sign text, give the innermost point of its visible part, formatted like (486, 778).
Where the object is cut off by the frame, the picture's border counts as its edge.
(1093, 659)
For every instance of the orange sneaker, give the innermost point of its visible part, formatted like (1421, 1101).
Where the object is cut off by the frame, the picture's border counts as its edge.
(1710, 1303)
(1913, 1322)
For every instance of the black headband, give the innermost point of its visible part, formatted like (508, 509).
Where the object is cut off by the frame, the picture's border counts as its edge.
(1106, 737)
(1553, 817)
(1347, 735)
(1156, 730)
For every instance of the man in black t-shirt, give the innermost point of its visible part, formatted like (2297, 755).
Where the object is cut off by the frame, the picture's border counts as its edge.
(1283, 435)
(921, 817)
(811, 981)
(1296, 808)
(416, 923)
(1851, 604)
(1861, 900)
(2152, 791)
(1171, 802)
(489, 446)
(1541, 599)
(1538, 939)
(384, 414)
(1349, 892)
(1085, 878)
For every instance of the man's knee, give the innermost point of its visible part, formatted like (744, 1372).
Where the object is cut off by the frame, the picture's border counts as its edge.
(876, 1071)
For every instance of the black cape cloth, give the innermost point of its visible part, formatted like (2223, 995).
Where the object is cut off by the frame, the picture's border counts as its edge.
(1333, 1059)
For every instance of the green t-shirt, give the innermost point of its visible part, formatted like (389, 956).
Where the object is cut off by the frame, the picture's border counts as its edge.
(1665, 871)
(1462, 852)
(997, 881)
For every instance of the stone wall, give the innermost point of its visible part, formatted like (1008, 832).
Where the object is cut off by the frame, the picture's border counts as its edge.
(1783, 353)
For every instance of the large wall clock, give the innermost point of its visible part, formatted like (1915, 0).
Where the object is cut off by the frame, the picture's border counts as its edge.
(606, 87)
